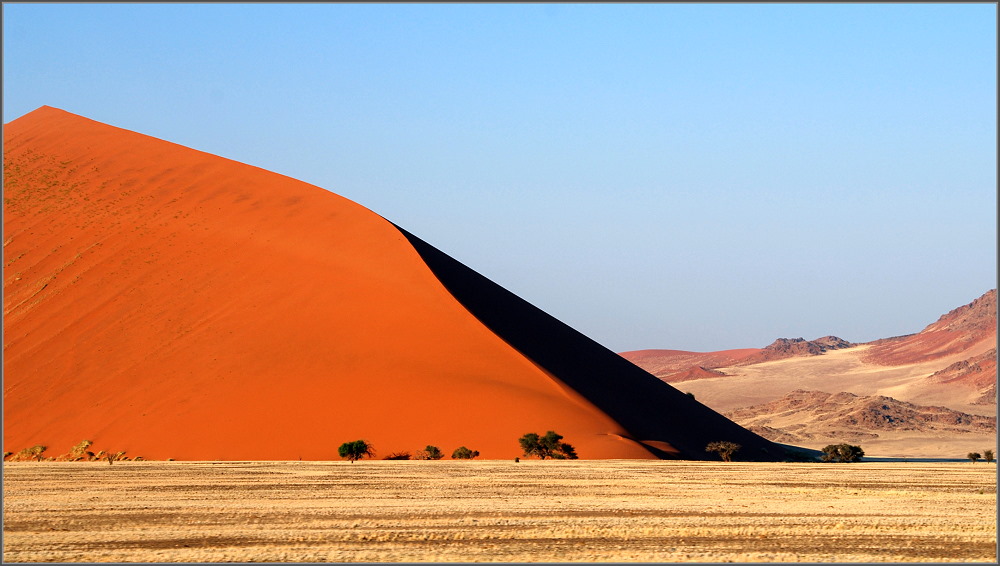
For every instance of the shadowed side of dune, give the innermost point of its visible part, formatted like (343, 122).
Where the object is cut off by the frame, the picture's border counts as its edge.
(652, 412)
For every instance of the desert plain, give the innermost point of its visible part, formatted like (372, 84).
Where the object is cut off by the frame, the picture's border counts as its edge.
(499, 510)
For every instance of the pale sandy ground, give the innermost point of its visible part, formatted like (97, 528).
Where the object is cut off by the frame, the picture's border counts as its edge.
(843, 370)
(833, 372)
(532, 511)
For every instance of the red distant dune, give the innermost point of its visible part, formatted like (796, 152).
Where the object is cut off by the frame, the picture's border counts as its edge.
(175, 304)
(678, 365)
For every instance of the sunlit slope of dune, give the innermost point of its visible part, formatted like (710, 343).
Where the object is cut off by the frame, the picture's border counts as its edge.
(176, 304)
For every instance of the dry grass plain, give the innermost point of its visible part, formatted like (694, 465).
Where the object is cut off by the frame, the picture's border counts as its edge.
(478, 511)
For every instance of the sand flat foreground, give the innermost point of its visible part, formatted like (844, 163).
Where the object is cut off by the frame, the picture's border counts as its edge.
(477, 511)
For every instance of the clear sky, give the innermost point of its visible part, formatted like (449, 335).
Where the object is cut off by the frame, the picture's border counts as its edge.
(682, 176)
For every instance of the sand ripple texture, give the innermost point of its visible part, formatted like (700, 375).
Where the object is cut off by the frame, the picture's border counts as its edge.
(481, 511)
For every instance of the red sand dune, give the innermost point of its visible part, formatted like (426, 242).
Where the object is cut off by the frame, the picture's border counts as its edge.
(679, 365)
(175, 304)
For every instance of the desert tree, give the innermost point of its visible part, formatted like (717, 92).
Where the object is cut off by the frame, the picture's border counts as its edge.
(842, 453)
(463, 453)
(548, 446)
(356, 450)
(565, 452)
(974, 456)
(530, 444)
(988, 455)
(724, 448)
(429, 453)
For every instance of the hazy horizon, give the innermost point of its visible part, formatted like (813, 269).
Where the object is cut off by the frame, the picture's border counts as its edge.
(679, 176)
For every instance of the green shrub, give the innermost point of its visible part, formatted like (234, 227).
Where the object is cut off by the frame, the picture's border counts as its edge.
(429, 453)
(463, 453)
(356, 450)
(842, 453)
(548, 446)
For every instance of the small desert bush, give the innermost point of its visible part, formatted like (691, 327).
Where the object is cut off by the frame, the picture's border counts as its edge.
(988, 455)
(398, 456)
(463, 453)
(724, 448)
(548, 446)
(974, 456)
(842, 453)
(429, 453)
(116, 457)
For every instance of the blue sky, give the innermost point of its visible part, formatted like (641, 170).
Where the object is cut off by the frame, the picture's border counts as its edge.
(683, 176)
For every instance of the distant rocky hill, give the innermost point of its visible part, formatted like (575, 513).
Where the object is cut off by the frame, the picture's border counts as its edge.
(978, 372)
(957, 331)
(809, 416)
(793, 347)
(675, 366)
(976, 318)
